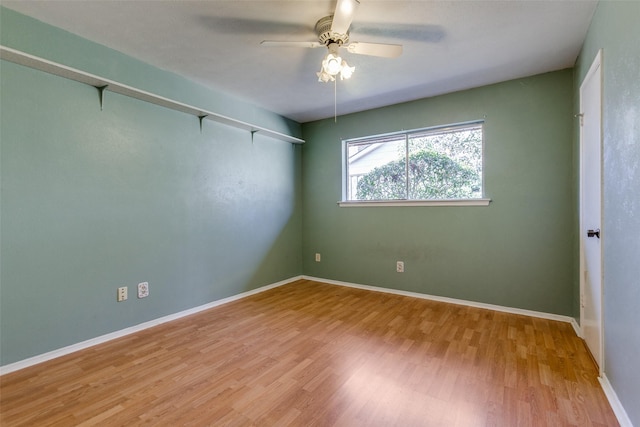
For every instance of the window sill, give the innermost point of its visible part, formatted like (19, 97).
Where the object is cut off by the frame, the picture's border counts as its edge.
(387, 203)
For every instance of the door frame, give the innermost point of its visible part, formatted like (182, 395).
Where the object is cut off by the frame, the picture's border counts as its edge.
(596, 67)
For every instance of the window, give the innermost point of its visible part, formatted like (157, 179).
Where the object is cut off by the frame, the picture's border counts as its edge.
(434, 164)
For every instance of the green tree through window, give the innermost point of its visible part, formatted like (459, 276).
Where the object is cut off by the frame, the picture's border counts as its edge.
(443, 163)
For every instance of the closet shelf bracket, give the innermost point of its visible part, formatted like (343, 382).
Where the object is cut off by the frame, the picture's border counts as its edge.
(201, 118)
(101, 90)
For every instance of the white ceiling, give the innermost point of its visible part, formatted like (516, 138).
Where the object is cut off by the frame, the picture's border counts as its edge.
(448, 45)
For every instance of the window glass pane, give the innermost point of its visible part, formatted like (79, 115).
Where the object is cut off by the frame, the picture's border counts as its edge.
(443, 163)
(446, 164)
(377, 169)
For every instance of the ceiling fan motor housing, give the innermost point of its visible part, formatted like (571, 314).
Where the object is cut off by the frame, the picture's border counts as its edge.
(325, 36)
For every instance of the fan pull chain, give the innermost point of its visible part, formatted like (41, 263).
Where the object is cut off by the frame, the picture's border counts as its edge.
(335, 101)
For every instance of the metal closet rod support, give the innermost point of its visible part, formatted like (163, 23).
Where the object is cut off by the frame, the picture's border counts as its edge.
(103, 85)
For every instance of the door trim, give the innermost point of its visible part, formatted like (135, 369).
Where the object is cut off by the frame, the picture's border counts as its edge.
(595, 67)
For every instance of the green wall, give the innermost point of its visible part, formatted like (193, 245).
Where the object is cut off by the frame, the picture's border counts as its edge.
(615, 30)
(93, 200)
(517, 252)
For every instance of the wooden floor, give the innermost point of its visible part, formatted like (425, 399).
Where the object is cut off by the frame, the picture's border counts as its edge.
(311, 354)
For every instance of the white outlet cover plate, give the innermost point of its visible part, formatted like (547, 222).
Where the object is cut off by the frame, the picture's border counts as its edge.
(122, 293)
(143, 289)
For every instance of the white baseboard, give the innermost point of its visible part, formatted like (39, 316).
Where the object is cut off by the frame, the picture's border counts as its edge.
(121, 333)
(615, 403)
(530, 313)
(611, 395)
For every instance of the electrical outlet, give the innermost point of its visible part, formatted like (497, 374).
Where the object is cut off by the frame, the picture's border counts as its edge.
(318, 257)
(400, 266)
(143, 289)
(122, 293)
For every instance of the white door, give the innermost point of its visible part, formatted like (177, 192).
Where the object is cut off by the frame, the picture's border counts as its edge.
(591, 210)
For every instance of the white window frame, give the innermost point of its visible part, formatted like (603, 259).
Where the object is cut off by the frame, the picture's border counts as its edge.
(344, 202)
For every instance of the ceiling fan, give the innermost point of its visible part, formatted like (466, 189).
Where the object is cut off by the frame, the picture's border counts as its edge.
(333, 33)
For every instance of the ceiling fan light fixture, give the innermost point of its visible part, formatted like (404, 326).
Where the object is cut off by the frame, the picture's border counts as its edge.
(324, 77)
(332, 64)
(346, 71)
(333, 33)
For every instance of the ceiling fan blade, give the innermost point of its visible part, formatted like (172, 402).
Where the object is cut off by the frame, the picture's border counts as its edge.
(245, 26)
(275, 43)
(415, 32)
(342, 17)
(375, 49)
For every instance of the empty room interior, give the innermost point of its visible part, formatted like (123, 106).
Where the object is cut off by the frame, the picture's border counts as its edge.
(302, 213)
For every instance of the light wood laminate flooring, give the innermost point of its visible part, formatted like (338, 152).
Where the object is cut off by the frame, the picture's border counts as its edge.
(312, 354)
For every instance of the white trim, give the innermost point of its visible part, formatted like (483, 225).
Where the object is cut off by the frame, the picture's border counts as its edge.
(127, 331)
(609, 392)
(576, 328)
(429, 129)
(615, 403)
(530, 313)
(596, 67)
(443, 202)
